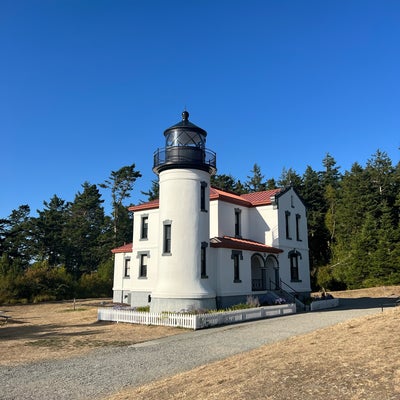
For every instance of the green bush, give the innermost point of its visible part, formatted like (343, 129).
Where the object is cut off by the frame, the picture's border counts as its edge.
(93, 285)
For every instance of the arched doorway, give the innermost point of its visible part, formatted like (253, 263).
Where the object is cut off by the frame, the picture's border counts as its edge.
(258, 276)
(272, 272)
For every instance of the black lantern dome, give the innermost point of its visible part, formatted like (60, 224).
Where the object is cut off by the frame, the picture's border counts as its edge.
(184, 148)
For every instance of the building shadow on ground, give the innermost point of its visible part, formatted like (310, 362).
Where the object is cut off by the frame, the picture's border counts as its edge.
(367, 302)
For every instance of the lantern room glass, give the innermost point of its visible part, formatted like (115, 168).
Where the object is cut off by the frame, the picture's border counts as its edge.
(185, 137)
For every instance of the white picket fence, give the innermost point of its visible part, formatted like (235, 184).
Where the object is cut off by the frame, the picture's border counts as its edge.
(193, 321)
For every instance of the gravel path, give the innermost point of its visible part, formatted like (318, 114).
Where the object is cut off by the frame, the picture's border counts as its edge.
(108, 370)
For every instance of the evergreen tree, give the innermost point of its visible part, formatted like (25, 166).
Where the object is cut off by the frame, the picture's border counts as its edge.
(385, 265)
(330, 180)
(240, 188)
(121, 183)
(153, 192)
(48, 231)
(271, 184)
(289, 177)
(85, 228)
(353, 204)
(255, 182)
(312, 193)
(125, 223)
(331, 175)
(356, 269)
(16, 237)
(381, 177)
(223, 182)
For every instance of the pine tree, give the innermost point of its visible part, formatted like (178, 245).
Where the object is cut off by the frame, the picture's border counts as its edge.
(358, 269)
(48, 231)
(255, 182)
(312, 193)
(85, 228)
(331, 175)
(153, 192)
(289, 177)
(16, 236)
(385, 267)
(121, 183)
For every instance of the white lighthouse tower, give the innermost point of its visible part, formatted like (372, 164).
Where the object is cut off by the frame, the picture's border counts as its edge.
(184, 167)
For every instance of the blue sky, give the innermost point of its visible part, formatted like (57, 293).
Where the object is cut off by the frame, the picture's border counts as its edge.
(87, 87)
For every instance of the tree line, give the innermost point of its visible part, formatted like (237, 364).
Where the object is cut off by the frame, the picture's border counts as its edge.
(64, 252)
(353, 219)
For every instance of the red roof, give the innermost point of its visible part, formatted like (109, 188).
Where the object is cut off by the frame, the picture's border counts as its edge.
(245, 200)
(145, 206)
(126, 248)
(217, 194)
(261, 198)
(228, 242)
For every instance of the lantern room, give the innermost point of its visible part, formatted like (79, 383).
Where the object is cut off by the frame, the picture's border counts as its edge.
(184, 148)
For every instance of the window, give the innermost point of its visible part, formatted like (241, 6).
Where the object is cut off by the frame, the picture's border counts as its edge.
(203, 196)
(127, 267)
(294, 265)
(236, 257)
(203, 260)
(145, 227)
(287, 225)
(298, 216)
(167, 238)
(238, 212)
(143, 266)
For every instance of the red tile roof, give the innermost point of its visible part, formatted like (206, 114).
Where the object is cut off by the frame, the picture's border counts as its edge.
(245, 200)
(217, 194)
(145, 206)
(261, 198)
(229, 242)
(126, 248)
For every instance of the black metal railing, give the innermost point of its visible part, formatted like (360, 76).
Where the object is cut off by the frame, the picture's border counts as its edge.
(190, 156)
(293, 295)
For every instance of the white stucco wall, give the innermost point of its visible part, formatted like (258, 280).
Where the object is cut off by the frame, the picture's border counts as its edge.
(214, 217)
(149, 246)
(179, 271)
(223, 219)
(121, 284)
(264, 225)
(289, 201)
(225, 273)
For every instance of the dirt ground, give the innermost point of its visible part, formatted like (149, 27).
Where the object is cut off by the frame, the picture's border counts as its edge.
(356, 360)
(55, 330)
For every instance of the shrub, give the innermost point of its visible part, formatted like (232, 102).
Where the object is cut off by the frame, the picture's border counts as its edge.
(253, 302)
(92, 285)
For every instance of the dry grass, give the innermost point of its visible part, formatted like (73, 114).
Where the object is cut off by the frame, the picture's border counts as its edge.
(356, 360)
(375, 292)
(55, 330)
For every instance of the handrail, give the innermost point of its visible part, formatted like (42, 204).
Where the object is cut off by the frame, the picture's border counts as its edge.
(279, 287)
(292, 289)
(293, 295)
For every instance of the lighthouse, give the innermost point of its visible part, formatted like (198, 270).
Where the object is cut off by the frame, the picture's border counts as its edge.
(184, 167)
